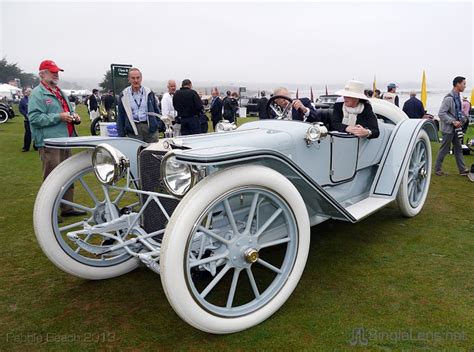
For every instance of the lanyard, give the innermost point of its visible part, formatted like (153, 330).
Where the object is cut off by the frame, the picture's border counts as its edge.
(58, 95)
(141, 98)
(458, 106)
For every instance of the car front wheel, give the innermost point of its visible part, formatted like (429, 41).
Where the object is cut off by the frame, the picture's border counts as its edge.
(234, 249)
(89, 196)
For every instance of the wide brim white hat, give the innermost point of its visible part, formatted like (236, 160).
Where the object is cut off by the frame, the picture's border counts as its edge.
(353, 89)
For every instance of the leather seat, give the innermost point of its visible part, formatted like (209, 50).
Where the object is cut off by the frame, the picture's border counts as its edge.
(325, 116)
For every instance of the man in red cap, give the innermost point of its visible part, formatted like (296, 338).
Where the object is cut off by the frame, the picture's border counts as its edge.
(51, 116)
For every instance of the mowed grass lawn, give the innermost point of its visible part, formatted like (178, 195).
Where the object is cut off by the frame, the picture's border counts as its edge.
(386, 283)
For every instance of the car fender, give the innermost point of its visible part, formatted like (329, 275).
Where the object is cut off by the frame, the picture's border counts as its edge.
(127, 146)
(320, 204)
(397, 155)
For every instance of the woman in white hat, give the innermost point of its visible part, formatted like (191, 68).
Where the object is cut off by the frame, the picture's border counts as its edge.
(355, 114)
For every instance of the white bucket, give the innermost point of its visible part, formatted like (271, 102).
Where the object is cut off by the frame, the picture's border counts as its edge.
(103, 128)
(242, 112)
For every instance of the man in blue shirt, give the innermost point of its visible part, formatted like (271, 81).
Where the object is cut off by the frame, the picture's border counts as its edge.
(23, 107)
(135, 103)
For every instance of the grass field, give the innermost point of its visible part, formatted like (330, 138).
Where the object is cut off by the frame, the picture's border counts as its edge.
(384, 284)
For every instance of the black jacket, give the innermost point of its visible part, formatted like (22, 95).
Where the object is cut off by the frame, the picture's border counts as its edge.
(297, 115)
(187, 103)
(262, 108)
(216, 110)
(414, 108)
(109, 102)
(231, 105)
(93, 104)
(366, 119)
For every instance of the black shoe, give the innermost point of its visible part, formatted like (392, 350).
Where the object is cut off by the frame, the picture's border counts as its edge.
(24, 150)
(73, 213)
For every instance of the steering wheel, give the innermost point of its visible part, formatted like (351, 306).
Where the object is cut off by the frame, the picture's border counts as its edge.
(273, 109)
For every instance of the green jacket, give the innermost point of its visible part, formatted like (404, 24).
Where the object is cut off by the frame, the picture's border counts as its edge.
(43, 112)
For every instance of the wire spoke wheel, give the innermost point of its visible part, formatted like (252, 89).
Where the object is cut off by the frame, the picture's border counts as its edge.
(413, 190)
(99, 203)
(234, 249)
(255, 250)
(91, 197)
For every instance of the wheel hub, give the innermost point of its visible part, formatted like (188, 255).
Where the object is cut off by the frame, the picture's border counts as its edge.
(422, 173)
(102, 213)
(251, 255)
(243, 251)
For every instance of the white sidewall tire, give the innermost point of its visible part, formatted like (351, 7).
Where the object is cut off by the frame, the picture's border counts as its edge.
(3, 115)
(402, 196)
(181, 224)
(42, 215)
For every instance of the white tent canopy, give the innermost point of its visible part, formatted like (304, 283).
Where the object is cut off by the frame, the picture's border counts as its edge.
(80, 92)
(7, 90)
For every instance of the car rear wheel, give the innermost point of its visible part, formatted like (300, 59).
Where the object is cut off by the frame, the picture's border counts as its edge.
(234, 249)
(413, 190)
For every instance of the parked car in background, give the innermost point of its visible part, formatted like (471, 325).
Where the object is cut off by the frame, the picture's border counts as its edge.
(326, 100)
(433, 118)
(252, 106)
(6, 112)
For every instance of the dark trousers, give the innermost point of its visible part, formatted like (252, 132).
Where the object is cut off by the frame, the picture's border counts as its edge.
(449, 138)
(190, 125)
(204, 127)
(27, 136)
(50, 158)
(214, 123)
(144, 134)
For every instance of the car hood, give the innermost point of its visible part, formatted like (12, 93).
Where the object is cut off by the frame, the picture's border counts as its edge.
(255, 135)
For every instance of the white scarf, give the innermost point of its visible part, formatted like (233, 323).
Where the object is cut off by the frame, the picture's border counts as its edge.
(350, 114)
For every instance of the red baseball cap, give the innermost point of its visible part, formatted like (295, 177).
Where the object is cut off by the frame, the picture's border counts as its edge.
(50, 65)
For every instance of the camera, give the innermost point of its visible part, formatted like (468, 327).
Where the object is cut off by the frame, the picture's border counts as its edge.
(74, 119)
(459, 133)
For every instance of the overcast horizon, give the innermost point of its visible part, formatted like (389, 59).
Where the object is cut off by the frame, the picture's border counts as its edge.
(257, 43)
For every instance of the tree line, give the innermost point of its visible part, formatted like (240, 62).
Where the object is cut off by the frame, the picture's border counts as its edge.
(11, 71)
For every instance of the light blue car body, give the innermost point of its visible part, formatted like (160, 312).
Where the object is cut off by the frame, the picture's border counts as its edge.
(340, 176)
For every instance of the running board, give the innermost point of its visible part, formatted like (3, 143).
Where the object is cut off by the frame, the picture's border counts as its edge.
(367, 206)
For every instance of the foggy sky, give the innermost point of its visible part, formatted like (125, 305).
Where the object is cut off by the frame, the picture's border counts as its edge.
(307, 43)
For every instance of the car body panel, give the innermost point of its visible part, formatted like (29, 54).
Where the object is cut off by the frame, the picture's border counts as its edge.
(396, 156)
(338, 176)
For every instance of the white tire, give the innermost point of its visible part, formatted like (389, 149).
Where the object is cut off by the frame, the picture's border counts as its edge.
(182, 225)
(46, 226)
(415, 183)
(3, 115)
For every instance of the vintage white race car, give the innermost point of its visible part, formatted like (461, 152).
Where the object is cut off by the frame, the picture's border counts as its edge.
(225, 218)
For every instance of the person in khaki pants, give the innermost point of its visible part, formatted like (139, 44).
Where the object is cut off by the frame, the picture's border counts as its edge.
(51, 115)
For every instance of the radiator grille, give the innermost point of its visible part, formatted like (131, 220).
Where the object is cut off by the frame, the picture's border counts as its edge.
(149, 167)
